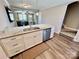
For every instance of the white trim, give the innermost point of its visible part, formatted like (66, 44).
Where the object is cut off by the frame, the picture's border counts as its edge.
(71, 28)
(67, 34)
(76, 38)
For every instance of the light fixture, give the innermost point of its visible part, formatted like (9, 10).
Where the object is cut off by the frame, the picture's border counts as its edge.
(37, 13)
(27, 5)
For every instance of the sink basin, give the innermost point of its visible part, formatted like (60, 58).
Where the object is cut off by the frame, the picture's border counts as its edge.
(32, 28)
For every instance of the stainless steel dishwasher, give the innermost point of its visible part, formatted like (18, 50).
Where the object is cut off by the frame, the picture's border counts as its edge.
(46, 34)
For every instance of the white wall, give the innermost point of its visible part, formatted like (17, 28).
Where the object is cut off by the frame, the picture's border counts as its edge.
(3, 16)
(54, 16)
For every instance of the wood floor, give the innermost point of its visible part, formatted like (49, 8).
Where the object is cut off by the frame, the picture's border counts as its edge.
(58, 47)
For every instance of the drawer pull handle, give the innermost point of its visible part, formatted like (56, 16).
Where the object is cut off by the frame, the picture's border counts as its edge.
(17, 51)
(34, 36)
(13, 38)
(15, 44)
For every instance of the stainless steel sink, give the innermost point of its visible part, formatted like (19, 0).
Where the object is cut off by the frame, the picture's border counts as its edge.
(32, 28)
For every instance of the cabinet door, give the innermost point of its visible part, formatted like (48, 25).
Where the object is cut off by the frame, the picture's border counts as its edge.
(37, 37)
(28, 39)
(32, 39)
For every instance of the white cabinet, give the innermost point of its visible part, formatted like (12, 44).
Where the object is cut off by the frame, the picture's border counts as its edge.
(13, 45)
(76, 38)
(16, 44)
(33, 39)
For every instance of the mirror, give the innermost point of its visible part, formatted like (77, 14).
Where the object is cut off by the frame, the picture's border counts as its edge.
(9, 14)
(23, 16)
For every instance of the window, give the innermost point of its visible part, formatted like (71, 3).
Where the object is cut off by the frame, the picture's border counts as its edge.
(25, 16)
(12, 16)
(20, 16)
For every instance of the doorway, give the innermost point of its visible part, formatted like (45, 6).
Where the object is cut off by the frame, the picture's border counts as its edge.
(71, 20)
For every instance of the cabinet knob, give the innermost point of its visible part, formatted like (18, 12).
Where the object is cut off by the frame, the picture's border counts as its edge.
(15, 44)
(13, 38)
(34, 36)
(17, 51)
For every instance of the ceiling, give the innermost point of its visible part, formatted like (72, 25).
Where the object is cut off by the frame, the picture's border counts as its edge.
(38, 4)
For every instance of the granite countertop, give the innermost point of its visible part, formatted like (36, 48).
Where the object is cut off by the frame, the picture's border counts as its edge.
(10, 34)
(19, 31)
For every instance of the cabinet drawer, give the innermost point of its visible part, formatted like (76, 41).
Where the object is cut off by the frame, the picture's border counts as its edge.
(12, 46)
(12, 39)
(11, 43)
(7, 40)
(15, 51)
